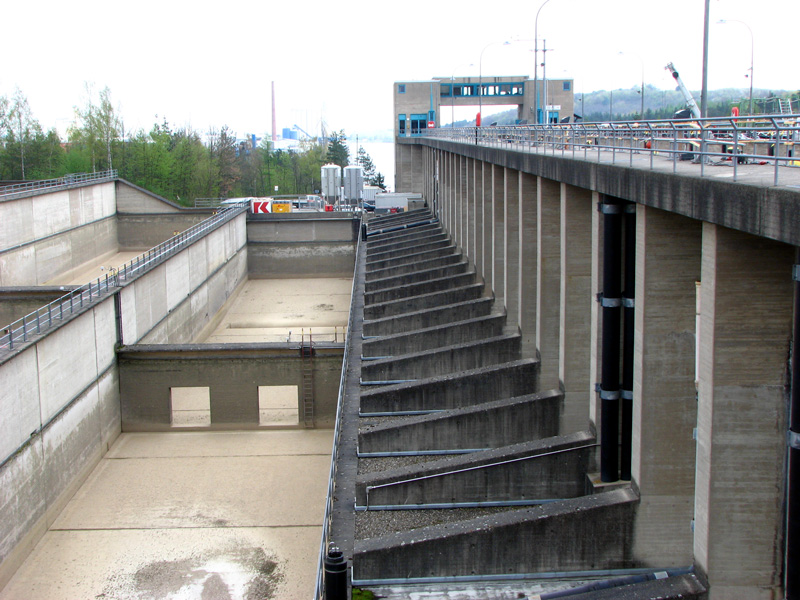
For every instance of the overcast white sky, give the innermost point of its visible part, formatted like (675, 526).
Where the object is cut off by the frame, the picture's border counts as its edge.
(208, 64)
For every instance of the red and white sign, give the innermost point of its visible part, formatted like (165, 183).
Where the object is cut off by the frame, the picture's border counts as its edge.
(259, 206)
(431, 124)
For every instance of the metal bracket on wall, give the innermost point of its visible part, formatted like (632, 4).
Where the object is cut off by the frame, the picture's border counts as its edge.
(609, 209)
(608, 302)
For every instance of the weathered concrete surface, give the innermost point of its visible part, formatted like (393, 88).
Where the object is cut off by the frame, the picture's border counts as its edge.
(300, 259)
(502, 543)
(144, 231)
(501, 474)
(411, 259)
(453, 390)
(224, 515)
(417, 340)
(490, 424)
(396, 306)
(233, 374)
(442, 360)
(435, 316)
(16, 302)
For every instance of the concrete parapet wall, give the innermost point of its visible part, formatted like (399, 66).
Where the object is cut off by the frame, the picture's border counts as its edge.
(579, 534)
(491, 424)
(233, 374)
(545, 469)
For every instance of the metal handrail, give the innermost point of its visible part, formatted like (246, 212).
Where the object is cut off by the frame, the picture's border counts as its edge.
(38, 322)
(765, 139)
(327, 516)
(475, 468)
(18, 189)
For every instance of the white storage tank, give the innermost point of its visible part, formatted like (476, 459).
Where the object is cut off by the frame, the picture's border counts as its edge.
(331, 176)
(353, 184)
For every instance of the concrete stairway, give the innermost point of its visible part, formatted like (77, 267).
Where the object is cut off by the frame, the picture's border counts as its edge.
(461, 468)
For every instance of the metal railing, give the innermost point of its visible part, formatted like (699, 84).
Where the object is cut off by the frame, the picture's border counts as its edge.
(41, 320)
(21, 189)
(730, 141)
(489, 465)
(327, 516)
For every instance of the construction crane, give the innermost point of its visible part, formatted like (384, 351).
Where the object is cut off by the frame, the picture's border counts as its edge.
(690, 103)
(301, 130)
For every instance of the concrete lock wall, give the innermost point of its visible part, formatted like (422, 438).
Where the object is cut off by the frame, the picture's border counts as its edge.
(301, 245)
(172, 303)
(58, 422)
(708, 462)
(231, 372)
(50, 233)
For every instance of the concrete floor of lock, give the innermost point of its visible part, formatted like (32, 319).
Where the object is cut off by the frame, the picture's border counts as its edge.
(189, 515)
(217, 515)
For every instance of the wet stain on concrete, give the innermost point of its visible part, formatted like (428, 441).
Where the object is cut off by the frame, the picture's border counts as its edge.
(240, 573)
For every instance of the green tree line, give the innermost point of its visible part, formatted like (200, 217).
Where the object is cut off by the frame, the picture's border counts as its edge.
(178, 163)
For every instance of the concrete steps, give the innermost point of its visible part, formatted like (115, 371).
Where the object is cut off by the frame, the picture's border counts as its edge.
(448, 333)
(593, 533)
(491, 424)
(461, 469)
(546, 469)
(434, 316)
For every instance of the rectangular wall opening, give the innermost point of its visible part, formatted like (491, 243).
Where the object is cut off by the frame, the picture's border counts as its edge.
(278, 405)
(190, 407)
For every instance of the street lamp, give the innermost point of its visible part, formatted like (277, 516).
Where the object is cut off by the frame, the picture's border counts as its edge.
(480, 75)
(536, 62)
(641, 113)
(723, 22)
(452, 95)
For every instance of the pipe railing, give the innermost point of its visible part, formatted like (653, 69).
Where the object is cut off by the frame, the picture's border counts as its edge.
(39, 321)
(22, 189)
(765, 140)
(490, 465)
(328, 513)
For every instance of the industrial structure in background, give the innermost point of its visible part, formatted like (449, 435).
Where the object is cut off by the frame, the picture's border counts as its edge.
(341, 191)
(418, 105)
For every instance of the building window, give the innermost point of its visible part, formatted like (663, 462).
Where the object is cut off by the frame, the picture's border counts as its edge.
(402, 125)
(401, 88)
(566, 85)
(445, 91)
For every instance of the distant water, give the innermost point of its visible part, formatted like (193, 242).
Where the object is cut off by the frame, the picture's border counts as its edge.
(382, 154)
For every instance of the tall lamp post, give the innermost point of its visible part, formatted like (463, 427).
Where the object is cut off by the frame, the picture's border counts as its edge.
(536, 62)
(752, 45)
(452, 94)
(641, 112)
(480, 75)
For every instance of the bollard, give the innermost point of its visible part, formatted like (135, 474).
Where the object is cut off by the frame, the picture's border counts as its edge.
(335, 575)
